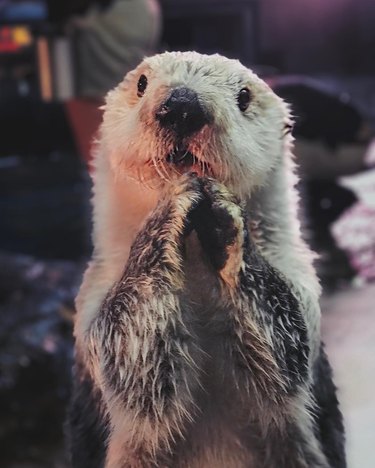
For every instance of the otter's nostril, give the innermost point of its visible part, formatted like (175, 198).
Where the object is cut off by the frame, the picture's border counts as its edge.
(162, 112)
(182, 112)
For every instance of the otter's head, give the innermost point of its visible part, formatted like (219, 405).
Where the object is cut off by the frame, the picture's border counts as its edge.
(179, 112)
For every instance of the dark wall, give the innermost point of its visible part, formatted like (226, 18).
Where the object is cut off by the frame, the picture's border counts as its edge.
(318, 35)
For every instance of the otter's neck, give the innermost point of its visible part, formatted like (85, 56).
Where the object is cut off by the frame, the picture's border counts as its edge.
(121, 205)
(274, 207)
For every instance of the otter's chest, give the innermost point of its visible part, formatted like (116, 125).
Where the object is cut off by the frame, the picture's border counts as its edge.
(201, 294)
(205, 312)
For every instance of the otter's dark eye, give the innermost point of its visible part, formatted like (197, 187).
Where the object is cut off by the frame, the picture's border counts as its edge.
(243, 99)
(142, 85)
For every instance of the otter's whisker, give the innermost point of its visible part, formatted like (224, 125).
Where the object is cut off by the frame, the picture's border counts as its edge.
(164, 168)
(158, 170)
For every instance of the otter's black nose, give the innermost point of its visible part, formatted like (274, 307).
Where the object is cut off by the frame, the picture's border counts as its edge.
(182, 112)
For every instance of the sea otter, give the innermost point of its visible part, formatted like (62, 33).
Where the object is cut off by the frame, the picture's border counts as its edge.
(198, 323)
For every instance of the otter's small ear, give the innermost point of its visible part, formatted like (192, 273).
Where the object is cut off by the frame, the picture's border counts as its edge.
(288, 128)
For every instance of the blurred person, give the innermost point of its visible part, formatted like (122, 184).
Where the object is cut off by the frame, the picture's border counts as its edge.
(112, 37)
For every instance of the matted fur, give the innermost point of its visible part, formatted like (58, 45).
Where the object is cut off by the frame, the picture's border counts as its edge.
(200, 349)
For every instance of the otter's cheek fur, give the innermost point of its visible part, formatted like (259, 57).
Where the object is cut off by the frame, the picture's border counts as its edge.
(197, 330)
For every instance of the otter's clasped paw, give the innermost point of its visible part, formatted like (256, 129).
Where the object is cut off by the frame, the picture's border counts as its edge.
(218, 221)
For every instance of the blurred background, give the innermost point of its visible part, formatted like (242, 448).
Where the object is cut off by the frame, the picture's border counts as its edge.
(58, 58)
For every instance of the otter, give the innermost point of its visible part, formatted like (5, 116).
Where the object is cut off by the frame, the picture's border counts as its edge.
(198, 322)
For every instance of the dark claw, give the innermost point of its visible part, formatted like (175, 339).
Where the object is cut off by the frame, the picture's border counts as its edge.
(214, 226)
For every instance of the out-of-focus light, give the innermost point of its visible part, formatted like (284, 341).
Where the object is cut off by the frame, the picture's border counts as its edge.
(12, 39)
(22, 36)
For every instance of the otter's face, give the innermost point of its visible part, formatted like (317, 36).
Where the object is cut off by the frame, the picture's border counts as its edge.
(179, 112)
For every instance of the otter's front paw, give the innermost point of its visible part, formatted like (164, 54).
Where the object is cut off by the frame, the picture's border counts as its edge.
(170, 220)
(182, 199)
(158, 245)
(219, 223)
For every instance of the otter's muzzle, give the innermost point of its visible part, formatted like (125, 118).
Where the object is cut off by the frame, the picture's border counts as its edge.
(182, 113)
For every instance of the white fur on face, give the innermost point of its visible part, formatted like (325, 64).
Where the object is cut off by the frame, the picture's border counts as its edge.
(240, 148)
